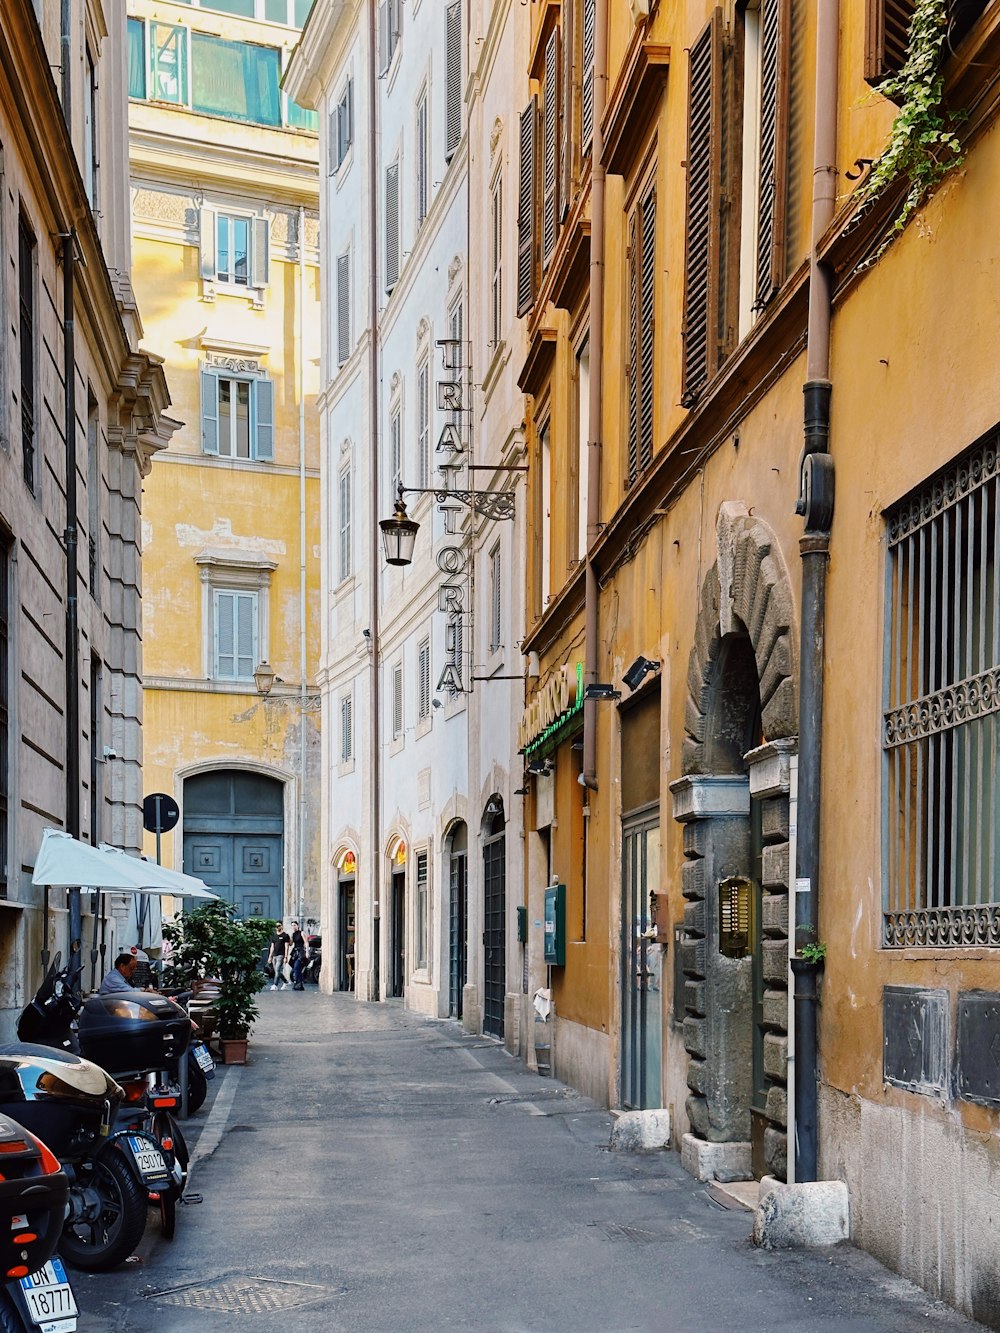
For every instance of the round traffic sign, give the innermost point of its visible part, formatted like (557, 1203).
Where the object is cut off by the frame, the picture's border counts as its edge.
(160, 812)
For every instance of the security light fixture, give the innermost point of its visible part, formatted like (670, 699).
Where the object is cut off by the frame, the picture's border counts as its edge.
(539, 768)
(601, 691)
(638, 672)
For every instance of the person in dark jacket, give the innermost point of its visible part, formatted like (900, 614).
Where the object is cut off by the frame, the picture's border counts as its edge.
(300, 951)
(278, 952)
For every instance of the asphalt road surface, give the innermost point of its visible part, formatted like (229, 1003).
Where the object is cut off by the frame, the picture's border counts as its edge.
(370, 1170)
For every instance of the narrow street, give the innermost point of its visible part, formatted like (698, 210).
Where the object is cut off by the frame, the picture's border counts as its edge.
(371, 1170)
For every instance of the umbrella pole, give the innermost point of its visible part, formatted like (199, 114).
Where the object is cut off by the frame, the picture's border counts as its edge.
(45, 930)
(93, 939)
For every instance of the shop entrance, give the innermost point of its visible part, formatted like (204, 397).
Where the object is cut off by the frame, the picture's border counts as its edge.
(345, 933)
(458, 918)
(397, 942)
(494, 900)
(642, 1017)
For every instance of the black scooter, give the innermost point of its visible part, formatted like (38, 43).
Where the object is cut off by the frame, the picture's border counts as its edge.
(70, 1104)
(34, 1192)
(139, 1036)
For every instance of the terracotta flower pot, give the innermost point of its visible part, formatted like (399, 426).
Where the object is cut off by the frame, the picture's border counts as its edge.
(234, 1050)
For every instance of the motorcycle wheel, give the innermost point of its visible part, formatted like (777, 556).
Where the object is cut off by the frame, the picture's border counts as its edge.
(168, 1215)
(197, 1086)
(95, 1246)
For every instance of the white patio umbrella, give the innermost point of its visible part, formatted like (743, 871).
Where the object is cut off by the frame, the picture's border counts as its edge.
(65, 862)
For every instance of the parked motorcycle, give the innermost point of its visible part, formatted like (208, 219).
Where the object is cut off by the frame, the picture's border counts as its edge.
(139, 1036)
(314, 962)
(33, 1194)
(70, 1104)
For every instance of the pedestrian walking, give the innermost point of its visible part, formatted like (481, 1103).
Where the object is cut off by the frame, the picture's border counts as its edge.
(299, 955)
(277, 953)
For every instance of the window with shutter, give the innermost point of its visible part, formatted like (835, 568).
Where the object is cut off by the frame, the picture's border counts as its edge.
(566, 107)
(772, 183)
(259, 257)
(496, 263)
(424, 679)
(702, 273)
(496, 600)
(208, 227)
(346, 729)
(345, 568)
(397, 701)
(550, 147)
(395, 454)
(344, 124)
(237, 416)
(422, 913)
(333, 157)
(236, 633)
(587, 89)
(209, 412)
(453, 77)
(424, 424)
(887, 36)
(343, 307)
(422, 155)
(263, 397)
(641, 333)
(384, 47)
(526, 210)
(391, 226)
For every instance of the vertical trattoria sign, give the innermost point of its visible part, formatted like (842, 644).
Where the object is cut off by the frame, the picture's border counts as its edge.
(452, 558)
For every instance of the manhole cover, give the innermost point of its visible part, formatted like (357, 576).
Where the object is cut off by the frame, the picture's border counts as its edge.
(638, 1235)
(241, 1295)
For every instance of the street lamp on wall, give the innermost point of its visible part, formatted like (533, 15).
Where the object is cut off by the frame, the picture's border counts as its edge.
(399, 533)
(264, 678)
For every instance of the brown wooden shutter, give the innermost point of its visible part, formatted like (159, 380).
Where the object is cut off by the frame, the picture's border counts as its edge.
(646, 276)
(773, 184)
(704, 160)
(633, 348)
(887, 37)
(566, 104)
(550, 147)
(526, 210)
(587, 90)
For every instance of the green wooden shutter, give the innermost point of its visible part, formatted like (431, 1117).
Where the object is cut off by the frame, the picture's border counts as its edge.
(225, 635)
(526, 211)
(263, 392)
(246, 634)
(260, 257)
(209, 412)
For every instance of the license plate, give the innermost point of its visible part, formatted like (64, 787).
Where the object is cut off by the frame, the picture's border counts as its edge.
(148, 1159)
(204, 1058)
(49, 1298)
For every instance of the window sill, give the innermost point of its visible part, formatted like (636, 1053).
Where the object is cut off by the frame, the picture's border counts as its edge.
(345, 767)
(254, 296)
(340, 173)
(424, 726)
(396, 744)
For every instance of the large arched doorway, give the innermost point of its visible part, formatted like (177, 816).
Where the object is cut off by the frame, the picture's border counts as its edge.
(458, 915)
(234, 823)
(494, 913)
(733, 801)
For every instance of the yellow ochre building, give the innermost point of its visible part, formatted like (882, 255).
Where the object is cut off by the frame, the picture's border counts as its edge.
(225, 230)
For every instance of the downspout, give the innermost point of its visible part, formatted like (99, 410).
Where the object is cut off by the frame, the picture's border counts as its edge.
(303, 601)
(65, 57)
(595, 442)
(815, 503)
(70, 542)
(373, 505)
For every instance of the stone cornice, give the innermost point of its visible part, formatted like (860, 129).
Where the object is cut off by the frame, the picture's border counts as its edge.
(329, 28)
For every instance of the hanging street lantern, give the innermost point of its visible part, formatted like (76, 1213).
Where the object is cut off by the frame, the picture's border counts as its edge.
(399, 533)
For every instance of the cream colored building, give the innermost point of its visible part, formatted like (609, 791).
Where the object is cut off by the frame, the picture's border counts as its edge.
(224, 216)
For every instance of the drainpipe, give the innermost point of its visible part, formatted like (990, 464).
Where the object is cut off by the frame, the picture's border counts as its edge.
(595, 425)
(303, 603)
(65, 57)
(373, 502)
(70, 542)
(815, 503)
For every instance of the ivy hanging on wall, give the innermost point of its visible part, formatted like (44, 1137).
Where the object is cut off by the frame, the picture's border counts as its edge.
(923, 146)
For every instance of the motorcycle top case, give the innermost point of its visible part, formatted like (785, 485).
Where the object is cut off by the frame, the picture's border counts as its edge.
(33, 1195)
(133, 1031)
(62, 1098)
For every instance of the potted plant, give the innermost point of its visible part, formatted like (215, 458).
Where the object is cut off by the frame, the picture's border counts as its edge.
(210, 941)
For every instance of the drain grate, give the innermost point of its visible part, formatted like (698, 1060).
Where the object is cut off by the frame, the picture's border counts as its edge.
(242, 1295)
(638, 1235)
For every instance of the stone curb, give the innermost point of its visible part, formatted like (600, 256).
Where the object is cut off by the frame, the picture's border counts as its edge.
(809, 1215)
